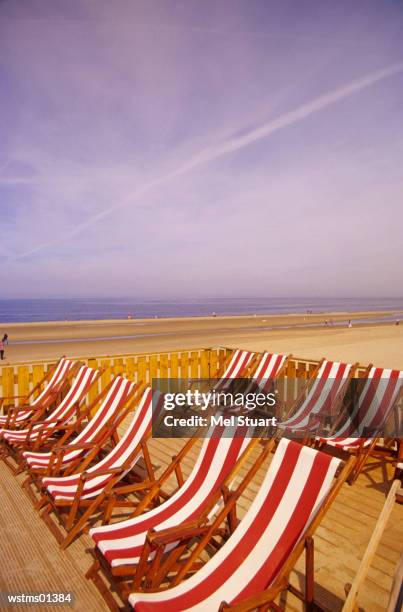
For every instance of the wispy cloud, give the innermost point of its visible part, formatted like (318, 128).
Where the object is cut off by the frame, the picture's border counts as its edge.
(230, 146)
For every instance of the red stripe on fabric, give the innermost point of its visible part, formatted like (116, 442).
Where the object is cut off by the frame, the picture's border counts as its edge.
(263, 369)
(267, 572)
(329, 397)
(102, 414)
(244, 364)
(91, 435)
(385, 404)
(315, 395)
(181, 502)
(383, 407)
(22, 434)
(234, 361)
(335, 389)
(220, 574)
(112, 459)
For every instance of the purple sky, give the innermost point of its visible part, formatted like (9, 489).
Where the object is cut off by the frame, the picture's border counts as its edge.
(189, 148)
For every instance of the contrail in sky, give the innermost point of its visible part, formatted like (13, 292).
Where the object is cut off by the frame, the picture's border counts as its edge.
(230, 146)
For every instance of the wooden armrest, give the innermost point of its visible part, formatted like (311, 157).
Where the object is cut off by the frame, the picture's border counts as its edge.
(62, 426)
(173, 534)
(47, 422)
(89, 475)
(69, 447)
(131, 488)
(256, 601)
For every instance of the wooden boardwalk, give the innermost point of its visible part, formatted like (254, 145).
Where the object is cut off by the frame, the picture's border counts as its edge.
(31, 561)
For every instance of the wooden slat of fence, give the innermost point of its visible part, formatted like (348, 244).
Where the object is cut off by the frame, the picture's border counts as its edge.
(142, 366)
(205, 364)
(23, 380)
(184, 365)
(174, 357)
(94, 390)
(38, 372)
(153, 367)
(213, 363)
(194, 364)
(164, 366)
(8, 382)
(131, 369)
(118, 367)
(106, 372)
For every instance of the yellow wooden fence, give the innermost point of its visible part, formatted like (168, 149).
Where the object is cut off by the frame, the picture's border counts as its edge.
(19, 379)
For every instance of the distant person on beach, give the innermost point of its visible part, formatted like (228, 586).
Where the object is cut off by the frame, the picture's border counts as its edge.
(350, 324)
(1, 350)
(5, 339)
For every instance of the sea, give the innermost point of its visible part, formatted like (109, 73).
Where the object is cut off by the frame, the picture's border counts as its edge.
(85, 309)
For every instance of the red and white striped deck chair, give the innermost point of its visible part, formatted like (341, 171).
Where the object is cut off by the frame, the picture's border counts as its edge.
(360, 430)
(18, 416)
(119, 392)
(269, 367)
(236, 368)
(119, 546)
(88, 490)
(254, 564)
(326, 389)
(40, 431)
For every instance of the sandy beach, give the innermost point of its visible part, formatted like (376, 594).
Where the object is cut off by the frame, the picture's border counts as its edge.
(302, 335)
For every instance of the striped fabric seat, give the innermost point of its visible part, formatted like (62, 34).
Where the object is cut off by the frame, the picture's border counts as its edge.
(62, 414)
(293, 491)
(121, 543)
(114, 400)
(45, 397)
(328, 384)
(377, 399)
(65, 487)
(269, 367)
(236, 368)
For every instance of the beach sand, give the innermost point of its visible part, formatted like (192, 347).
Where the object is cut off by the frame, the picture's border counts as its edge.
(378, 343)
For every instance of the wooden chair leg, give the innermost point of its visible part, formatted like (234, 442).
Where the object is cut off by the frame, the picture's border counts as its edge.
(309, 573)
(93, 575)
(75, 529)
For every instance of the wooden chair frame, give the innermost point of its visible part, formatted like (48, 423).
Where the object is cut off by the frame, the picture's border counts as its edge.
(37, 412)
(90, 451)
(124, 578)
(363, 451)
(316, 421)
(31, 395)
(74, 514)
(12, 451)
